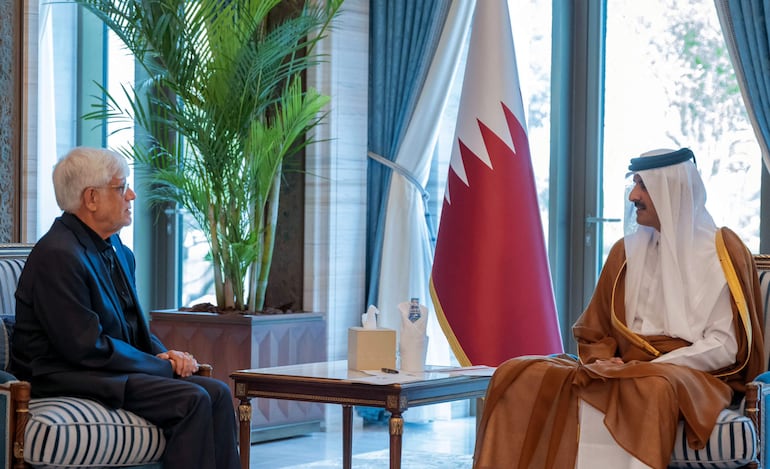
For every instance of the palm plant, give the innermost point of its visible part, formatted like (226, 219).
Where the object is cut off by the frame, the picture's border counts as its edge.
(223, 106)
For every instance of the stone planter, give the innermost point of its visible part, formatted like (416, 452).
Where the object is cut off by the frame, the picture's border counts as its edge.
(237, 342)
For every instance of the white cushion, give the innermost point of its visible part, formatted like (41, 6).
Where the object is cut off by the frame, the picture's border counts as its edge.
(732, 444)
(68, 432)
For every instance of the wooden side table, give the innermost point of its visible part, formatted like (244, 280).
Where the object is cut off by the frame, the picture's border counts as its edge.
(333, 383)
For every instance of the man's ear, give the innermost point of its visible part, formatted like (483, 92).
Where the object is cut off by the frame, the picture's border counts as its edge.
(90, 199)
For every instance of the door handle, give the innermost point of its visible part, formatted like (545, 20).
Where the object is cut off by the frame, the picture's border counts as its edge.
(602, 220)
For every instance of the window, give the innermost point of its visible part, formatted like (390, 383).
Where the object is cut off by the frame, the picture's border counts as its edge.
(197, 273)
(670, 84)
(628, 77)
(57, 101)
(531, 26)
(67, 67)
(120, 73)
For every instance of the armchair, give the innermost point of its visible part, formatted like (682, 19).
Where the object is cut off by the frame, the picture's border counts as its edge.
(739, 439)
(63, 432)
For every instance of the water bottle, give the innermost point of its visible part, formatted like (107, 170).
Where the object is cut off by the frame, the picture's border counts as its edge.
(414, 310)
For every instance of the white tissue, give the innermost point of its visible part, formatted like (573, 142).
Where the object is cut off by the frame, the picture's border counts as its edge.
(413, 342)
(369, 318)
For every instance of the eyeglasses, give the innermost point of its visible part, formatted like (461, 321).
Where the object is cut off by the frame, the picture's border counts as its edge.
(121, 189)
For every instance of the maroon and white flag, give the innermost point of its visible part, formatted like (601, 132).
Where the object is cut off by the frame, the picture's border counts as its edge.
(490, 280)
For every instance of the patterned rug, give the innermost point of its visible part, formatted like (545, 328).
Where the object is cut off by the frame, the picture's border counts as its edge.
(409, 460)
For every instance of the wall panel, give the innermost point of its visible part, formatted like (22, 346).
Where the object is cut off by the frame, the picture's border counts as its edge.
(10, 117)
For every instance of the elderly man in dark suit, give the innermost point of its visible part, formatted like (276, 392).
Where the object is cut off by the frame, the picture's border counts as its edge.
(80, 330)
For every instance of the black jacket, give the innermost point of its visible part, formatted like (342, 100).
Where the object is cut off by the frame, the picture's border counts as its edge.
(71, 337)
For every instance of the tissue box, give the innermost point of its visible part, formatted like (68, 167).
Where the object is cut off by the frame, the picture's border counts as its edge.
(371, 349)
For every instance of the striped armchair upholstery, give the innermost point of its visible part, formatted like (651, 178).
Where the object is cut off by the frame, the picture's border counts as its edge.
(62, 432)
(739, 438)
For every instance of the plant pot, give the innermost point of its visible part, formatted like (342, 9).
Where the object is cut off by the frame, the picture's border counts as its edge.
(232, 342)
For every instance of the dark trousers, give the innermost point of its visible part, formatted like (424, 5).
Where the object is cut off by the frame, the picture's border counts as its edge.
(196, 415)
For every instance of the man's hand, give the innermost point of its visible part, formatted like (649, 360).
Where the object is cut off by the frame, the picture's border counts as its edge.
(183, 363)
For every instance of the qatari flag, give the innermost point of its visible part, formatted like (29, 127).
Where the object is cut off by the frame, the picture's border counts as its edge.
(490, 281)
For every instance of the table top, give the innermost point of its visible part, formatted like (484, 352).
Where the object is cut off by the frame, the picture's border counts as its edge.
(333, 382)
(338, 370)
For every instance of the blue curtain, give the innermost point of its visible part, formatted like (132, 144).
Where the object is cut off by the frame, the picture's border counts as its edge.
(403, 36)
(745, 24)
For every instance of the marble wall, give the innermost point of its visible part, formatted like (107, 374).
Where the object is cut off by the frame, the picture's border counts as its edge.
(10, 78)
(18, 105)
(335, 185)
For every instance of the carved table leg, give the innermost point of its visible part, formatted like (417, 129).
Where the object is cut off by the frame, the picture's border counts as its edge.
(347, 437)
(479, 412)
(244, 437)
(396, 432)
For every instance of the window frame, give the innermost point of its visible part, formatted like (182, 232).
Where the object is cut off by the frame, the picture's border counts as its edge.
(577, 107)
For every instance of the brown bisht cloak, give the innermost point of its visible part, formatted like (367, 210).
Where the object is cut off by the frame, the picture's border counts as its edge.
(530, 418)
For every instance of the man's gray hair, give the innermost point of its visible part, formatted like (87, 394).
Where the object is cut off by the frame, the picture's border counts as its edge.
(85, 167)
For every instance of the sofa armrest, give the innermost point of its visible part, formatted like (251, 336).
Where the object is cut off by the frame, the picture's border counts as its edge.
(757, 398)
(14, 398)
(204, 369)
(6, 377)
(763, 378)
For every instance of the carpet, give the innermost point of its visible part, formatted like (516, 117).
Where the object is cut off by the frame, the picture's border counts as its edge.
(409, 460)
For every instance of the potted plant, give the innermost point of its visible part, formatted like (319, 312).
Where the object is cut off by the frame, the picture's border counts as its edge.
(223, 106)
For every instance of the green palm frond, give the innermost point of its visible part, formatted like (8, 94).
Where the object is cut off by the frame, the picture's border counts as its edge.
(223, 106)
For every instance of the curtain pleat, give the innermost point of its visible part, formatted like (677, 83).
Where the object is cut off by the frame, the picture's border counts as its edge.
(407, 249)
(745, 24)
(403, 37)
